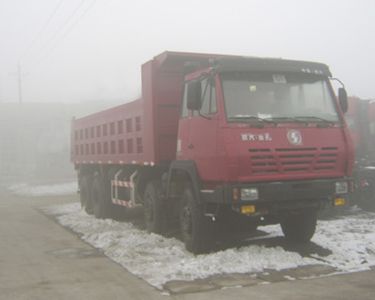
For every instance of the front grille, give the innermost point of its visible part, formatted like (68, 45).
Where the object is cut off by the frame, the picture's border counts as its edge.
(290, 160)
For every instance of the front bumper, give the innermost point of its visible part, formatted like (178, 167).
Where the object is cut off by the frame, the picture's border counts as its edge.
(276, 197)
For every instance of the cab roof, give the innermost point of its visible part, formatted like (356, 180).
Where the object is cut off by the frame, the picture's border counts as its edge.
(229, 63)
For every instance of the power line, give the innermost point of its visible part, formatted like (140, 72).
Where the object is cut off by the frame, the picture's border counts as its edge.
(71, 16)
(44, 27)
(58, 31)
(70, 29)
(19, 74)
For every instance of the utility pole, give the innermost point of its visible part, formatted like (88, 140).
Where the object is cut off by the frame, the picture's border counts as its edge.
(19, 75)
(1, 96)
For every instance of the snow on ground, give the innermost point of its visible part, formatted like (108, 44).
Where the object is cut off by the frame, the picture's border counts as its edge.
(351, 239)
(58, 189)
(158, 260)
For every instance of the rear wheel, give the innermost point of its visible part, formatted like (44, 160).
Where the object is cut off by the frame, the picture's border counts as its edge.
(154, 210)
(194, 226)
(299, 227)
(100, 200)
(85, 194)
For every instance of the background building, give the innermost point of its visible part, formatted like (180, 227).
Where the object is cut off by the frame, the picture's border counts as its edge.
(35, 139)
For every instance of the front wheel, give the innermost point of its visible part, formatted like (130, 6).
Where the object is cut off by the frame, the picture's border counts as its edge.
(194, 226)
(367, 197)
(299, 227)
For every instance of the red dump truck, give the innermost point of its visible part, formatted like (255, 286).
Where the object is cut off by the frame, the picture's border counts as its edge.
(361, 121)
(219, 141)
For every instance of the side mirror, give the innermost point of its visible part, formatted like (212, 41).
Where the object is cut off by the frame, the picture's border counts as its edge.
(343, 100)
(194, 95)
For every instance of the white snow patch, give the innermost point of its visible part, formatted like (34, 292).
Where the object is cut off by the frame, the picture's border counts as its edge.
(59, 189)
(158, 260)
(351, 239)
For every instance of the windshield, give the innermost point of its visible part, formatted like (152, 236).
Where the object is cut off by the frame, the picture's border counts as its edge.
(278, 97)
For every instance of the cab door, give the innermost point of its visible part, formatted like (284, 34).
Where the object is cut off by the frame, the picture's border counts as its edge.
(202, 132)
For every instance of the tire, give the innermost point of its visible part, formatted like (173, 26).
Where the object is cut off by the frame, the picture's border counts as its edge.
(85, 194)
(154, 209)
(367, 198)
(100, 201)
(194, 226)
(299, 228)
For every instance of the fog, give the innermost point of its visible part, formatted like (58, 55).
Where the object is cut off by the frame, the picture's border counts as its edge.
(90, 51)
(35, 140)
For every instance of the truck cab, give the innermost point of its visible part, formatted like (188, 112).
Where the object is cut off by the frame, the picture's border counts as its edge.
(268, 141)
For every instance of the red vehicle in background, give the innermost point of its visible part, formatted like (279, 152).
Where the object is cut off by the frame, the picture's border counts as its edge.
(219, 141)
(361, 121)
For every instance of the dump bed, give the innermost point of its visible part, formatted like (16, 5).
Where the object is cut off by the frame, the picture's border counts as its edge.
(143, 131)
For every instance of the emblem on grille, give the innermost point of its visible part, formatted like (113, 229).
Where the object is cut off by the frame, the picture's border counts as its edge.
(294, 137)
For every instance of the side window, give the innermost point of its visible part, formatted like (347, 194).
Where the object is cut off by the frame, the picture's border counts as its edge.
(208, 97)
(184, 111)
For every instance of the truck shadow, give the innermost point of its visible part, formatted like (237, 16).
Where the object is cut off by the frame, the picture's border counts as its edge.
(261, 238)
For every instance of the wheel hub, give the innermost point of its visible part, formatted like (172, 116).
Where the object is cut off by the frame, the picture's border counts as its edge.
(186, 221)
(149, 213)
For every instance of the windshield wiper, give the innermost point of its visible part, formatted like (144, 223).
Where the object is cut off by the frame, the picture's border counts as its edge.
(252, 118)
(287, 119)
(316, 119)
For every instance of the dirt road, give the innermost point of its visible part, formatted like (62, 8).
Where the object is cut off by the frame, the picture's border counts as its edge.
(39, 259)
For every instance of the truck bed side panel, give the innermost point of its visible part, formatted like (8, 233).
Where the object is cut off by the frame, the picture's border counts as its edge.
(115, 135)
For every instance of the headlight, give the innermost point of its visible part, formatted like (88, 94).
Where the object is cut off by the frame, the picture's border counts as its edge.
(249, 194)
(342, 187)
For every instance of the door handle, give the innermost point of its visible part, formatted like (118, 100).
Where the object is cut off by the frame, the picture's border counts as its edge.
(190, 146)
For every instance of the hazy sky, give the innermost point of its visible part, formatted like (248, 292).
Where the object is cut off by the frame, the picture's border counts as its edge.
(79, 50)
